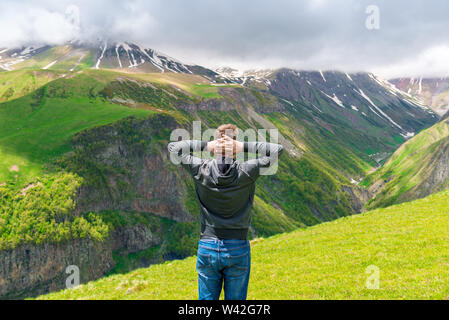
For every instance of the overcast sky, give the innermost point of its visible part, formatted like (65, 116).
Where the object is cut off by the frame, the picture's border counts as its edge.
(412, 39)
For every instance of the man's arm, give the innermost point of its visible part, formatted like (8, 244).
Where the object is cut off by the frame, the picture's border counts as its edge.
(181, 152)
(267, 155)
(266, 152)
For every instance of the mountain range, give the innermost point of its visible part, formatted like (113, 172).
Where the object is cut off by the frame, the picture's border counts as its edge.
(85, 177)
(434, 92)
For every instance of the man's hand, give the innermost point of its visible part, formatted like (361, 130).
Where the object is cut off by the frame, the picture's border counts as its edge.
(237, 145)
(211, 145)
(225, 146)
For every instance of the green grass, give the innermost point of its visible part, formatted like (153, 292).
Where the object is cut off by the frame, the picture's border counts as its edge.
(407, 242)
(191, 84)
(38, 128)
(206, 91)
(15, 84)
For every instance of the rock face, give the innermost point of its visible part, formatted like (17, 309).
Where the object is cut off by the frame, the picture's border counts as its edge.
(126, 168)
(358, 197)
(32, 270)
(134, 239)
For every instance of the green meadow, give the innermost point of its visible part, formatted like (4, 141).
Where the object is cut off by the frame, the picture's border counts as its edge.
(408, 243)
(34, 131)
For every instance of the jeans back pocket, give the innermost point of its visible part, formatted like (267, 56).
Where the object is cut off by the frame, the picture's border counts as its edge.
(237, 265)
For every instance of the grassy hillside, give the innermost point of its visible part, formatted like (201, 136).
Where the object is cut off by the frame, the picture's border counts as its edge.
(407, 242)
(416, 169)
(62, 58)
(16, 84)
(38, 127)
(95, 141)
(43, 111)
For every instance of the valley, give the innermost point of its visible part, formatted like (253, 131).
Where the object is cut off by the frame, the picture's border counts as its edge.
(85, 174)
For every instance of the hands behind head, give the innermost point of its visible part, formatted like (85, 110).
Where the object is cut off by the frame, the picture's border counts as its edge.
(225, 146)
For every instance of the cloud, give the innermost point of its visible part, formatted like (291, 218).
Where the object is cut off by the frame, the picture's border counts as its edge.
(432, 62)
(303, 34)
(20, 25)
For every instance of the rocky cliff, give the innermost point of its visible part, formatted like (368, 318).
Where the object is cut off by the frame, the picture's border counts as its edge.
(125, 167)
(32, 270)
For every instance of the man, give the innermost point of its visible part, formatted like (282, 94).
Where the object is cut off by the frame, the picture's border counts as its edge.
(225, 190)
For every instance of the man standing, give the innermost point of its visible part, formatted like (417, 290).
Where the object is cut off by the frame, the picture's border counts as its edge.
(225, 190)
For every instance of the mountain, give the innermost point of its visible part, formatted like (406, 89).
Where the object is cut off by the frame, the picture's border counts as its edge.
(292, 265)
(417, 169)
(85, 176)
(75, 56)
(434, 92)
(359, 111)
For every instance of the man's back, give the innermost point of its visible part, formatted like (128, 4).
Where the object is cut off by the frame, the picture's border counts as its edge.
(226, 198)
(225, 190)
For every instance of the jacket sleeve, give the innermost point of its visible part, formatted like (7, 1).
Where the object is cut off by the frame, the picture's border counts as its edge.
(267, 155)
(181, 153)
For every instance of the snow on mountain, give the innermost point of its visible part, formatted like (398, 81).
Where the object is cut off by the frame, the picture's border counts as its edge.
(357, 96)
(366, 94)
(107, 55)
(433, 92)
(243, 77)
(134, 57)
(352, 98)
(9, 57)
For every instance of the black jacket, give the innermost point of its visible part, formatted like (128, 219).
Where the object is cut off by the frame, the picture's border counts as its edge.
(225, 198)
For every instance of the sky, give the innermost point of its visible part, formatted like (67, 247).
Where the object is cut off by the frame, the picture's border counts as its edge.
(390, 38)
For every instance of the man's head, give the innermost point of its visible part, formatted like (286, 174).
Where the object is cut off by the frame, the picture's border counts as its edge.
(229, 130)
(226, 147)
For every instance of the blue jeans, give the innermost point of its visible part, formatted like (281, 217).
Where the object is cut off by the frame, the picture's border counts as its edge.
(223, 263)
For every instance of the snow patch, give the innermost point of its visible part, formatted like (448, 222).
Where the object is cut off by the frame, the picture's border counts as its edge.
(408, 135)
(420, 86)
(77, 63)
(378, 109)
(317, 108)
(288, 102)
(335, 99)
(97, 66)
(322, 75)
(118, 56)
(50, 65)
